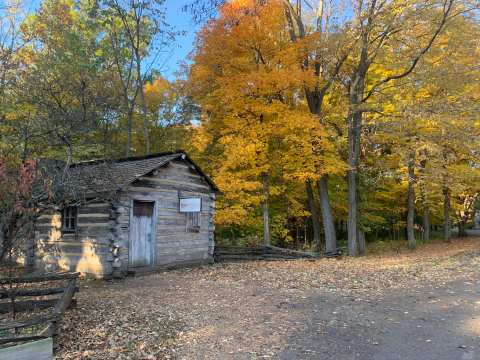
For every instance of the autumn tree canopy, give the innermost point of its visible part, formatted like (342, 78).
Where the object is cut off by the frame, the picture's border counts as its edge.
(325, 124)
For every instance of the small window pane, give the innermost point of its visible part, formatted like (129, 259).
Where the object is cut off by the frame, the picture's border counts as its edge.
(69, 218)
(193, 222)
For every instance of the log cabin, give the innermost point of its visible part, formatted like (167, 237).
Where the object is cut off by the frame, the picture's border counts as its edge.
(134, 214)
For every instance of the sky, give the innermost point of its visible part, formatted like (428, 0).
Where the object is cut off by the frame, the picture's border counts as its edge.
(181, 21)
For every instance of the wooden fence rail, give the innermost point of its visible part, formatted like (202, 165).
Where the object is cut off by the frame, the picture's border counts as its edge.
(50, 321)
(236, 253)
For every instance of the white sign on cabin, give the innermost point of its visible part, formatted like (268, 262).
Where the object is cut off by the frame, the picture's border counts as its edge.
(190, 204)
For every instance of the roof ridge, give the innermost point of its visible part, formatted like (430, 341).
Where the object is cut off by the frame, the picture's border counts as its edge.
(130, 158)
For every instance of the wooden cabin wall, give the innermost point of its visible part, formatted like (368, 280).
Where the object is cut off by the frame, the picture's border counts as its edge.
(88, 250)
(174, 245)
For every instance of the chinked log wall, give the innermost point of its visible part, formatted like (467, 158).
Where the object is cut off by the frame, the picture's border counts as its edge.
(100, 245)
(87, 250)
(173, 244)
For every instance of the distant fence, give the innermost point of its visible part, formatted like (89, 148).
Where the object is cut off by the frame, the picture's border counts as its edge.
(240, 253)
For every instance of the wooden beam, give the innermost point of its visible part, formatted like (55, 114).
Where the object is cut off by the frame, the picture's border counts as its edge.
(291, 252)
(64, 302)
(11, 339)
(60, 307)
(25, 305)
(39, 278)
(8, 294)
(28, 323)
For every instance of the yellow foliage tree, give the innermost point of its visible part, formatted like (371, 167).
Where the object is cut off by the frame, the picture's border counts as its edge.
(255, 125)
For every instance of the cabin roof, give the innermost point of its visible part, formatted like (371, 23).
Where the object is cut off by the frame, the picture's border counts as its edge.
(109, 175)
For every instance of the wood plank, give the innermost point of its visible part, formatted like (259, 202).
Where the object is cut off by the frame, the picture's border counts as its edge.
(102, 224)
(173, 212)
(25, 305)
(84, 246)
(165, 229)
(141, 235)
(38, 350)
(176, 183)
(66, 298)
(39, 278)
(181, 176)
(73, 260)
(28, 323)
(99, 204)
(93, 210)
(95, 215)
(171, 194)
(82, 221)
(86, 240)
(190, 237)
(5, 294)
(19, 338)
(62, 304)
(291, 252)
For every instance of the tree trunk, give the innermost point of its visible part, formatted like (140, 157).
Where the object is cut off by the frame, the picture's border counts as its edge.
(426, 223)
(412, 242)
(446, 214)
(129, 130)
(327, 217)
(265, 211)
(314, 212)
(144, 105)
(354, 130)
(146, 133)
(461, 229)
(361, 243)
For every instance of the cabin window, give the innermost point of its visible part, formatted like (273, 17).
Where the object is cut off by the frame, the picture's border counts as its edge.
(192, 207)
(69, 218)
(193, 222)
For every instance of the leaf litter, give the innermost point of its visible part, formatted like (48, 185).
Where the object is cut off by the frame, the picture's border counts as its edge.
(247, 310)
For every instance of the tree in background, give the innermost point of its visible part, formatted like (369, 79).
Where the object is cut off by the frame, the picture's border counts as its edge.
(384, 58)
(170, 113)
(17, 205)
(137, 36)
(279, 98)
(248, 80)
(63, 94)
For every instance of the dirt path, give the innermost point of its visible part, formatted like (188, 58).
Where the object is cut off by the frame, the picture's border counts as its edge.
(429, 324)
(423, 305)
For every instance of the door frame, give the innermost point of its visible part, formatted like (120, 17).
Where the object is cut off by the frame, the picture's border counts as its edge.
(144, 198)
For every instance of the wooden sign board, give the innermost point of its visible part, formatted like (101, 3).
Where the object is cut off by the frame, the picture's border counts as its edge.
(190, 204)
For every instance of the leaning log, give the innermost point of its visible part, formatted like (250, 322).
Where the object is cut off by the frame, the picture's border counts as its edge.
(62, 304)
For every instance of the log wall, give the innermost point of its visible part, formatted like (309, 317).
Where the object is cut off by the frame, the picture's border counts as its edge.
(100, 246)
(173, 245)
(87, 250)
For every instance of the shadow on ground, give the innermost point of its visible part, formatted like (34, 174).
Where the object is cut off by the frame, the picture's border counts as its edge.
(427, 324)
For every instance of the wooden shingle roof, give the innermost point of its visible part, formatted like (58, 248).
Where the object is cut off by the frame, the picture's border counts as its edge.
(103, 176)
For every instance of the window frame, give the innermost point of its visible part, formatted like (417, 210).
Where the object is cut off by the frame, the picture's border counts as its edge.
(69, 219)
(193, 222)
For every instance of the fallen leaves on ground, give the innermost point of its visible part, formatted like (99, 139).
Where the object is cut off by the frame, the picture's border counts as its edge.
(247, 309)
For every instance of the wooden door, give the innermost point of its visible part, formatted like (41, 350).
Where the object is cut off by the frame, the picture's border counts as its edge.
(142, 235)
